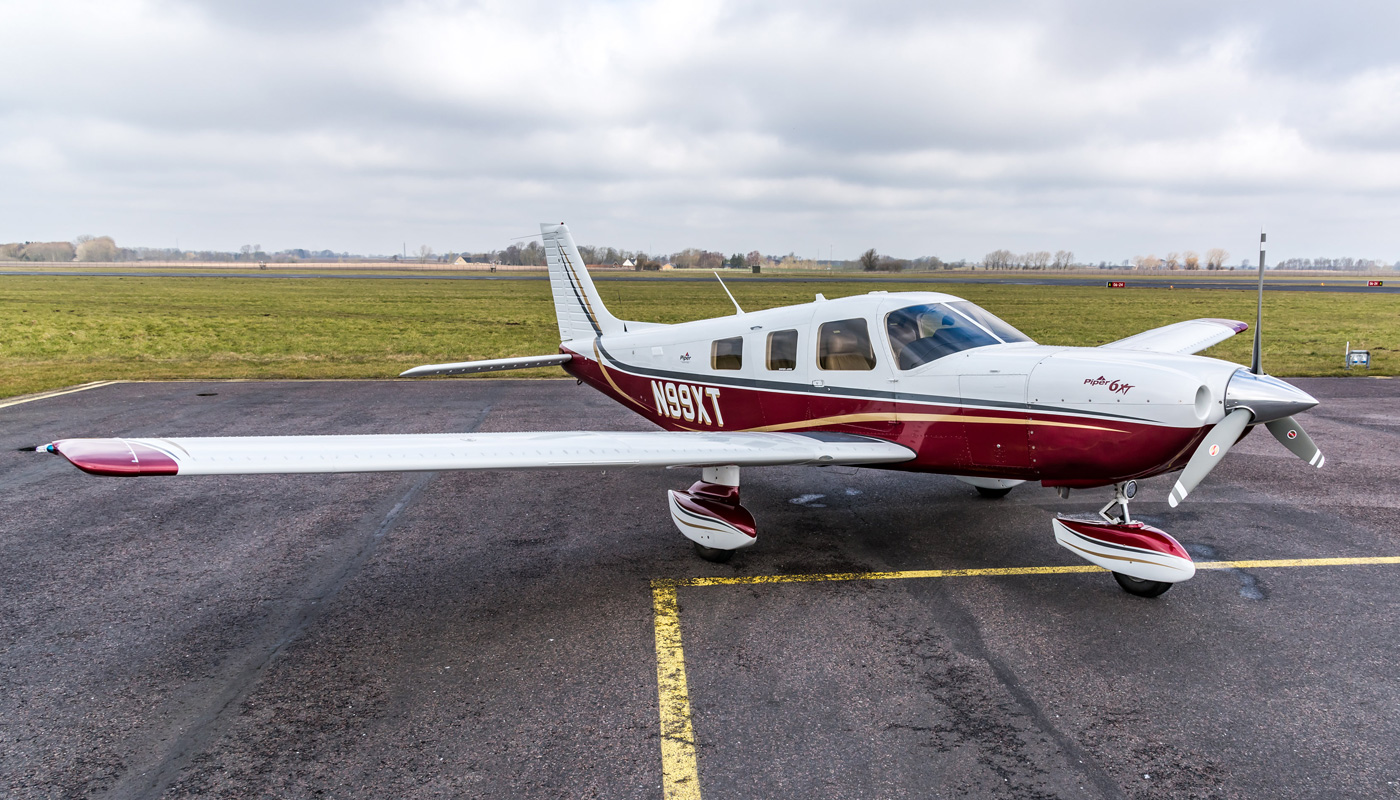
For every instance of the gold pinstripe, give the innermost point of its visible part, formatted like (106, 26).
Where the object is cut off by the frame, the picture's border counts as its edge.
(901, 417)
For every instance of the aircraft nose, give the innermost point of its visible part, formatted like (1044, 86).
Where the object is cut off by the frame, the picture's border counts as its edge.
(1266, 397)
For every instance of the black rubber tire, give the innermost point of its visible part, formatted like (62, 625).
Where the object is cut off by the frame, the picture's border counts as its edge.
(992, 494)
(1140, 587)
(713, 554)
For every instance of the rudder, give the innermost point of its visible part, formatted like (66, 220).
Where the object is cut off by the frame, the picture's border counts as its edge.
(576, 301)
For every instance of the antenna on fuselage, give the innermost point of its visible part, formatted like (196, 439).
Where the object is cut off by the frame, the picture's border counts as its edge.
(737, 310)
(1256, 361)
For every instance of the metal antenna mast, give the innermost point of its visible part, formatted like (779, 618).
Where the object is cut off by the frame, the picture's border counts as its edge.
(1256, 363)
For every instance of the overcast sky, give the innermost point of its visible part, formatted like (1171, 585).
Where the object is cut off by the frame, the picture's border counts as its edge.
(1107, 128)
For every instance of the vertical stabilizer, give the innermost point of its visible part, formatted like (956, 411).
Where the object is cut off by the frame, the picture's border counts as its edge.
(576, 301)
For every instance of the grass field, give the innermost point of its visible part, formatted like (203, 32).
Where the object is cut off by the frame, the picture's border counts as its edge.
(59, 331)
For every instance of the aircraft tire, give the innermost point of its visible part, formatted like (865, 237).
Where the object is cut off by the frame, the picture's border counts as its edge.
(713, 554)
(992, 494)
(1140, 587)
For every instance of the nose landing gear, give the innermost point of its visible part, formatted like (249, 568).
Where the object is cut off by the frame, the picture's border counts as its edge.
(1144, 560)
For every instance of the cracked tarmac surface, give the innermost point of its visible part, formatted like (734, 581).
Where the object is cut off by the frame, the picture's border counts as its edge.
(491, 634)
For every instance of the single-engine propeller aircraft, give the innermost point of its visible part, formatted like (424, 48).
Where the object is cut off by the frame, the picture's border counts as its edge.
(917, 381)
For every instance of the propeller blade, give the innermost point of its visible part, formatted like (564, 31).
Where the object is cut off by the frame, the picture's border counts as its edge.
(1221, 438)
(1291, 435)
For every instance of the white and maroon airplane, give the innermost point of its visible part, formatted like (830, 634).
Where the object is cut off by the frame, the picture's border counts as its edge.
(915, 381)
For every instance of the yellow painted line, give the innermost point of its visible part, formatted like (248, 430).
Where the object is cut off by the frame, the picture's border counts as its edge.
(56, 393)
(679, 772)
(881, 576)
(1005, 571)
(679, 777)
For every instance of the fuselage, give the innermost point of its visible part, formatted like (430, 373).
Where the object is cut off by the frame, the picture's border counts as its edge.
(967, 392)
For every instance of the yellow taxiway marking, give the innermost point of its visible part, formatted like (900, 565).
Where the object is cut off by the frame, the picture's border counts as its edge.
(680, 776)
(55, 393)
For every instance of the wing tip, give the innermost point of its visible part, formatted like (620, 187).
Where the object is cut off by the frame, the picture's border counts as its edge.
(1236, 325)
(115, 458)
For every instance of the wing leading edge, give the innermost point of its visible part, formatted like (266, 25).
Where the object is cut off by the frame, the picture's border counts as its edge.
(1182, 338)
(427, 452)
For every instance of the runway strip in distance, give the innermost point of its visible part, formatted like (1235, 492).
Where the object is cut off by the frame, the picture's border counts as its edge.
(679, 769)
(1152, 283)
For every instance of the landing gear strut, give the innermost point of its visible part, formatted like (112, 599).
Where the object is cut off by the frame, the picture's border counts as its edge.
(1123, 493)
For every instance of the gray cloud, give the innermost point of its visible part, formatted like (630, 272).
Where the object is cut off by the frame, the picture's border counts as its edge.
(917, 128)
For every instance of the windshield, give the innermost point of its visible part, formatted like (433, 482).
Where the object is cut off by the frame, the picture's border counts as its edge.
(990, 321)
(924, 333)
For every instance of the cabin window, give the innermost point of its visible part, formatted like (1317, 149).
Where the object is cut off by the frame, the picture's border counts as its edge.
(727, 353)
(845, 345)
(782, 351)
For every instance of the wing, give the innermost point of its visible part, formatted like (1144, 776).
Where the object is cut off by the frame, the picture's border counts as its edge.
(493, 365)
(418, 452)
(1182, 338)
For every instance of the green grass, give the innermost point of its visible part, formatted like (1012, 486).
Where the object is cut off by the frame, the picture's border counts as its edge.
(59, 331)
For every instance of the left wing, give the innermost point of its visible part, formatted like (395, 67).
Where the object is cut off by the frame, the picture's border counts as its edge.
(1182, 338)
(446, 451)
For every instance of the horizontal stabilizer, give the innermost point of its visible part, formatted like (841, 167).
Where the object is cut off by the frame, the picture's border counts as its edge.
(493, 365)
(1182, 338)
(248, 455)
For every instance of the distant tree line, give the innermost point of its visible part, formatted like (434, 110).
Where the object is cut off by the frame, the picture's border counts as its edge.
(1189, 260)
(531, 254)
(1036, 259)
(1334, 264)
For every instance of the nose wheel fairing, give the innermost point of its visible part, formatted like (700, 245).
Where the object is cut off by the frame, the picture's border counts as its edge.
(1135, 549)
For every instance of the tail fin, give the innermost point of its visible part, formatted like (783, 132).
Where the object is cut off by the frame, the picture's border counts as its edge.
(576, 301)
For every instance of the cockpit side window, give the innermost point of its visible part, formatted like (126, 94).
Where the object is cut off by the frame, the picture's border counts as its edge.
(845, 345)
(920, 334)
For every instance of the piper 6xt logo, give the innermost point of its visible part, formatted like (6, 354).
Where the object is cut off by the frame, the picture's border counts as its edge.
(1117, 387)
(687, 401)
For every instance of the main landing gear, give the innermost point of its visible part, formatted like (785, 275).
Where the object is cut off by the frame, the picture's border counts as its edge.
(1144, 560)
(990, 488)
(709, 514)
